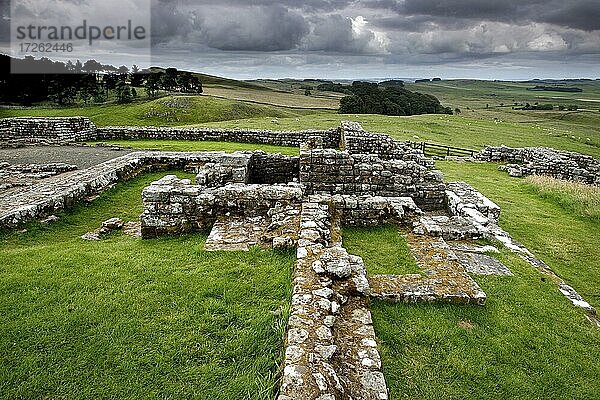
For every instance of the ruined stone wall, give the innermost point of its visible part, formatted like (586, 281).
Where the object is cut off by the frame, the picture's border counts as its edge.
(356, 141)
(328, 171)
(15, 132)
(64, 130)
(331, 138)
(565, 165)
(273, 168)
(173, 206)
(369, 210)
(63, 191)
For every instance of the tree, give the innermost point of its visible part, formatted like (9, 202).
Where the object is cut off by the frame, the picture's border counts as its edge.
(307, 92)
(169, 79)
(457, 111)
(123, 93)
(152, 84)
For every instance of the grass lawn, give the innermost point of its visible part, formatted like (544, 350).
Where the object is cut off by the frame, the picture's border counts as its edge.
(527, 342)
(194, 145)
(389, 255)
(129, 318)
(566, 241)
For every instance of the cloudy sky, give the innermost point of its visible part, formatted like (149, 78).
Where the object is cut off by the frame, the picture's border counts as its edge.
(492, 39)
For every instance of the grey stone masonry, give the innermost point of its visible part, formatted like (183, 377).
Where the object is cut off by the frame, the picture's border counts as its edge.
(63, 191)
(565, 165)
(329, 171)
(331, 350)
(465, 201)
(16, 132)
(173, 206)
(356, 141)
(331, 137)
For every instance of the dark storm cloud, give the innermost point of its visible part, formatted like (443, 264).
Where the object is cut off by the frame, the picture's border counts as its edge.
(578, 14)
(300, 33)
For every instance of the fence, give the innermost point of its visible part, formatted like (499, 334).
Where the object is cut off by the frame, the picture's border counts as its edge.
(440, 150)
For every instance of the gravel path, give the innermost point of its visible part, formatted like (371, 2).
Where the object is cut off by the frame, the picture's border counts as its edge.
(82, 156)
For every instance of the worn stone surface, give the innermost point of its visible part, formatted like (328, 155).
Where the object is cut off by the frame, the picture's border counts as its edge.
(464, 200)
(448, 227)
(443, 279)
(481, 264)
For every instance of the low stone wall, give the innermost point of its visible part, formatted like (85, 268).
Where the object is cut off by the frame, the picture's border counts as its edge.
(328, 171)
(173, 206)
(16, 132)
(369, 210)
(63, 191)
(565, 165)
(331, 138)
(464, 200)
(330, 347)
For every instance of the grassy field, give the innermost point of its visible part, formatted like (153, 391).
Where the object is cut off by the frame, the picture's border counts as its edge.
(166, 111)
(565, 240)
(292, 98)
(129, 319)
(528, 341)
(192, 145)
(582, 199)
(452, 130)
(487, 116)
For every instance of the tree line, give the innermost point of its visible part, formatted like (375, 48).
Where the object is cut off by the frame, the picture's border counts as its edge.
(86, 83)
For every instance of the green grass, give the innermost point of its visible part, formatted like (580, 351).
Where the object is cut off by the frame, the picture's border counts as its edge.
(194, 145)
(166, 111)
(582, 199)
(566, 241)
(452, 130)
(527, 342)
(390, 254)
(129, 318)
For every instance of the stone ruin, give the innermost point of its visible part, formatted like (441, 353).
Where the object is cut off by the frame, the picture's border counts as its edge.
(566, 165)
(253, 198)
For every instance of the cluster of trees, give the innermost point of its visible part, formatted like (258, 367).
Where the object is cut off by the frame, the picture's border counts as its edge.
(547, 107)
(371, 98)
(556, 89)
(90, 82)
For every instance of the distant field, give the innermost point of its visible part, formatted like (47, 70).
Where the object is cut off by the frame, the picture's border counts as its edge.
(166, 111)
(486, 117)
(453, 130)
(294, 99)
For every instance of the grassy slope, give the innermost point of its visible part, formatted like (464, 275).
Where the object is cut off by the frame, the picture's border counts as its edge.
(126, 318)
(167, 111)
(191, 145)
